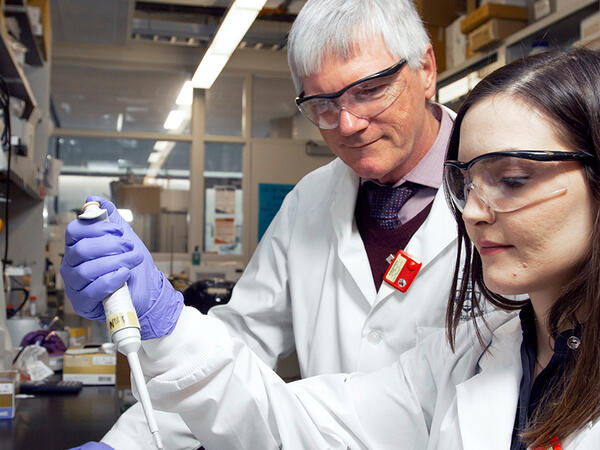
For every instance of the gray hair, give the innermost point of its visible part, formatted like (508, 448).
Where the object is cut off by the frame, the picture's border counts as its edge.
(336, 27)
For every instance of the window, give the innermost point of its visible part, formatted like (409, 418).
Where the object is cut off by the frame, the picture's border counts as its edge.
(149, 178)
(223, 218)
(224, 106)
(273, 107)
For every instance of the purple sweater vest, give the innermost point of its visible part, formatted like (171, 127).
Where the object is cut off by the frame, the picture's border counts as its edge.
(379, 242)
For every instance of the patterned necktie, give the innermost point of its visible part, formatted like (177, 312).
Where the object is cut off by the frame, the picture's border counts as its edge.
(385, 202)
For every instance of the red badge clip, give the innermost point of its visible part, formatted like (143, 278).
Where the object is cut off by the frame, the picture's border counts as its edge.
(402, 271)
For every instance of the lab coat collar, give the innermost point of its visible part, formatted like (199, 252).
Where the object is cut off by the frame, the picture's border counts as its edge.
(487, 402)
(350, 247)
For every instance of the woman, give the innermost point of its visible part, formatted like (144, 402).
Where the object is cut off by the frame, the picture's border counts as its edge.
(534, 223)
(523, 184)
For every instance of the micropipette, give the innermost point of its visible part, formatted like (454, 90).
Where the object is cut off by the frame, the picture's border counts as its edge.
(124, 329)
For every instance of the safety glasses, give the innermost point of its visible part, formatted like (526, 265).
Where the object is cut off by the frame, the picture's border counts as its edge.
(510, 180)
(365, 98)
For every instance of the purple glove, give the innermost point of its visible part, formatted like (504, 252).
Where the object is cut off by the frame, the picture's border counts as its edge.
(101, 256)
(93, 446)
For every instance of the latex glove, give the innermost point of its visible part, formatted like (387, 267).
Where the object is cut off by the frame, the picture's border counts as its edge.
(93, 446)
(101, 256)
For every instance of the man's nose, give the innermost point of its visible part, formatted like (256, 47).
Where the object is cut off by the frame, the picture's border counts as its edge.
(351, 123)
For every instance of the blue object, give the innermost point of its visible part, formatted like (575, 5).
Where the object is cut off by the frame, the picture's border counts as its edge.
(93, 446)
(270, 197)
(101, 256)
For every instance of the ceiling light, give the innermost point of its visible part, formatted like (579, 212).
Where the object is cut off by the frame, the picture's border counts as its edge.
(185, 94)
(161, 146)
(236, 23)
(120, 122)
(154, 157)
(174, 119)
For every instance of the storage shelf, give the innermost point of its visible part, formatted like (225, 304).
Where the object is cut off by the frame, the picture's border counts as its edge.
(18, 10)
(562, 27)
(18, 182)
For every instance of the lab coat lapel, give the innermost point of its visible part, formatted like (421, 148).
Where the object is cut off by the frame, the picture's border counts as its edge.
(350, 247)
(487, 402)
(433, 237)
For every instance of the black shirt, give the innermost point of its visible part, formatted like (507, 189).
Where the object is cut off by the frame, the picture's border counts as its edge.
(531, 393)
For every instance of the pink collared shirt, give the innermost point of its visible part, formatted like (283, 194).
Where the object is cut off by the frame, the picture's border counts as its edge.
(429, 171)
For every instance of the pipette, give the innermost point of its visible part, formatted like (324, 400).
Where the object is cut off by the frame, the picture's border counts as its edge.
(124, 329)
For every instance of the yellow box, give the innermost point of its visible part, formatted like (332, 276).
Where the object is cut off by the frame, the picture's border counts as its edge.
(89, 366)
(492, 32)
(8, 385)
(492, 11)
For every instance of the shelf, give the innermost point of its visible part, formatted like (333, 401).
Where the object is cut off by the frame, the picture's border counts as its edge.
(14, 77)
(18, 182)
(561, 28)
(18, 10)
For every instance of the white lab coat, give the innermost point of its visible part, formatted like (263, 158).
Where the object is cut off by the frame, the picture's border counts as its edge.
(431, 398)
(329, 310)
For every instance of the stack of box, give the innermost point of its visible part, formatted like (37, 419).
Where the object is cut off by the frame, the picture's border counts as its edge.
(436, 16)
(8, 385)
(90, 366)
(490, 23)
(456, 44)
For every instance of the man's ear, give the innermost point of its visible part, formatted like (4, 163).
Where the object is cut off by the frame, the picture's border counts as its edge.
(429, 72)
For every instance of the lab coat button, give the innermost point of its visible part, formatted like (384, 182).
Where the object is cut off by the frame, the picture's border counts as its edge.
(374, 337)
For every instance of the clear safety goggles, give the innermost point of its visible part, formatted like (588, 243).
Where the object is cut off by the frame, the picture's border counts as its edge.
(508, 181)
(365, 98)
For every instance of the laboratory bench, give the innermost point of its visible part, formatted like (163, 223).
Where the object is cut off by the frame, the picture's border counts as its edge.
(59, 422)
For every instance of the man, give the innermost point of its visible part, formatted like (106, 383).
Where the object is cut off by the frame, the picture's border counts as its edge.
(315, 282)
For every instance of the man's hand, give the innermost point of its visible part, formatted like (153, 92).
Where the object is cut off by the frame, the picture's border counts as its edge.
(101, 256)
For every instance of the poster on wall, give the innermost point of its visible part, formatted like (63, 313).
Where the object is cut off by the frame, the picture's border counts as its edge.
(224, 231)
(225, 200)
(270, 197)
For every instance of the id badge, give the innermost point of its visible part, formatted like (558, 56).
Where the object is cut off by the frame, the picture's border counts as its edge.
(402, 271)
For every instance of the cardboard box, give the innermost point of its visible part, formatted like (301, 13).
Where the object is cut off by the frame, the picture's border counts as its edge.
(456, 44)
(471, 6)
(492, 32)
(139, 198)
(590, 26)
(492, 11)
(440, 14)
(90, 366)
(438, 41)
(8, 384)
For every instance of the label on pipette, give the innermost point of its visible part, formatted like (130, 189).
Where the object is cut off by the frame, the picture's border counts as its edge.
(122, 320)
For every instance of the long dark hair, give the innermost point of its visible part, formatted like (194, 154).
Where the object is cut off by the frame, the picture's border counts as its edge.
(564, 86)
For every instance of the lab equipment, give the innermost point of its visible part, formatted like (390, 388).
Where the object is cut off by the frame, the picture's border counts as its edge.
(100, 256)
(124, 329)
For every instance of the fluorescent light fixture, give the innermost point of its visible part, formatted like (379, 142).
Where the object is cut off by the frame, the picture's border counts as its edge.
(164, 146)
(185, 94)
(120, 122)
(209, 69)
(154, 157)
(236, 23)
(160, 146)
(174, 119)
(126, 214)
(152, 172)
